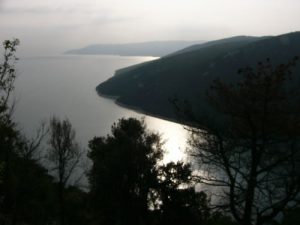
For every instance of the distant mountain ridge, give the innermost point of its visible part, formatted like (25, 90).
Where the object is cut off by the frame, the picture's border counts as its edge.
(188, 73)
(235, 39)
(155, 48)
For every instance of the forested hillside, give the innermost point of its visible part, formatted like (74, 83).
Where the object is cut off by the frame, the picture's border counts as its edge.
(188, 74)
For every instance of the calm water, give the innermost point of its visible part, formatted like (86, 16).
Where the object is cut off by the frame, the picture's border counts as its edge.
(65, 86)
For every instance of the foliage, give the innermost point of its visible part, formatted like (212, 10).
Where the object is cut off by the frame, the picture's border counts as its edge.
(251, 151)
(123, 172)
(65, 154)
(218, 218)
(7, 74)
(64, 151)
(28, 195)
(179, 202)
(25, 188)
(291, 217)
(1, 171)
(32, 193)
(130, 185)
(8, 132)
(76, 202)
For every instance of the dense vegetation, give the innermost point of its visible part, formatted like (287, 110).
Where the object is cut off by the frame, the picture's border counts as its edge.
(252, 150)
(253, 146)
(188, 74)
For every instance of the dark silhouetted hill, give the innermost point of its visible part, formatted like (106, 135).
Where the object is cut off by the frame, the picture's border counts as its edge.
(189, 73)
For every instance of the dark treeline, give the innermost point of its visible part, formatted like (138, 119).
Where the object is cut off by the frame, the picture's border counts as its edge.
(257, 164)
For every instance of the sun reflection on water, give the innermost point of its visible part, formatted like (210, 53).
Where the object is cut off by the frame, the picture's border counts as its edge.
(174, 136)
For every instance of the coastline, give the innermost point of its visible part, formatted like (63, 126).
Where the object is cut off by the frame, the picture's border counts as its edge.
(136, 109)
(112, 97)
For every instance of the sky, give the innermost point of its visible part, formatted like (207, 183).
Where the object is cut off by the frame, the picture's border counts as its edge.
(53, 26)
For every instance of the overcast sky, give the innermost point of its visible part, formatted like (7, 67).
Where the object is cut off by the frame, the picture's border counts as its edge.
(53, 26)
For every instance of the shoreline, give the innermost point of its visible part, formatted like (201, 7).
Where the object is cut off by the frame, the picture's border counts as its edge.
(136, 109)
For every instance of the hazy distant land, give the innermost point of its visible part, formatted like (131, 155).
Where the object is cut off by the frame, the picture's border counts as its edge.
(155, 48)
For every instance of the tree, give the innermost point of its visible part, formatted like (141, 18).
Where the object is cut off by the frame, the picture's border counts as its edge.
(250, 149)
(123, 172)
(291, 217)
(8, 133)
(65, 155)
(23, 182)
(7, 73)
(179, 203)
(1, 170)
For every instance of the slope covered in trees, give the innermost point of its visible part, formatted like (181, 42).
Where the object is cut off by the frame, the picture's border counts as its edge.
(189, 73)
(251, 150)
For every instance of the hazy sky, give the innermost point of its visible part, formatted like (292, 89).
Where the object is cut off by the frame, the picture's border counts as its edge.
(52, 26)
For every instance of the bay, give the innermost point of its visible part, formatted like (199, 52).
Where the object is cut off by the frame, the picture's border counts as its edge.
(64, 86)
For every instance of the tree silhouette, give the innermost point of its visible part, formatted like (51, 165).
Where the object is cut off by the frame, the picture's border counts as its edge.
(7, 127)
(65, 154)
(23, 182)
(250, 149)
(179, 203)
(123, 172)
(8, 133)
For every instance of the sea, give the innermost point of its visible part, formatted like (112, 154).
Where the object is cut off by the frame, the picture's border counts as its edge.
(64, 86)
